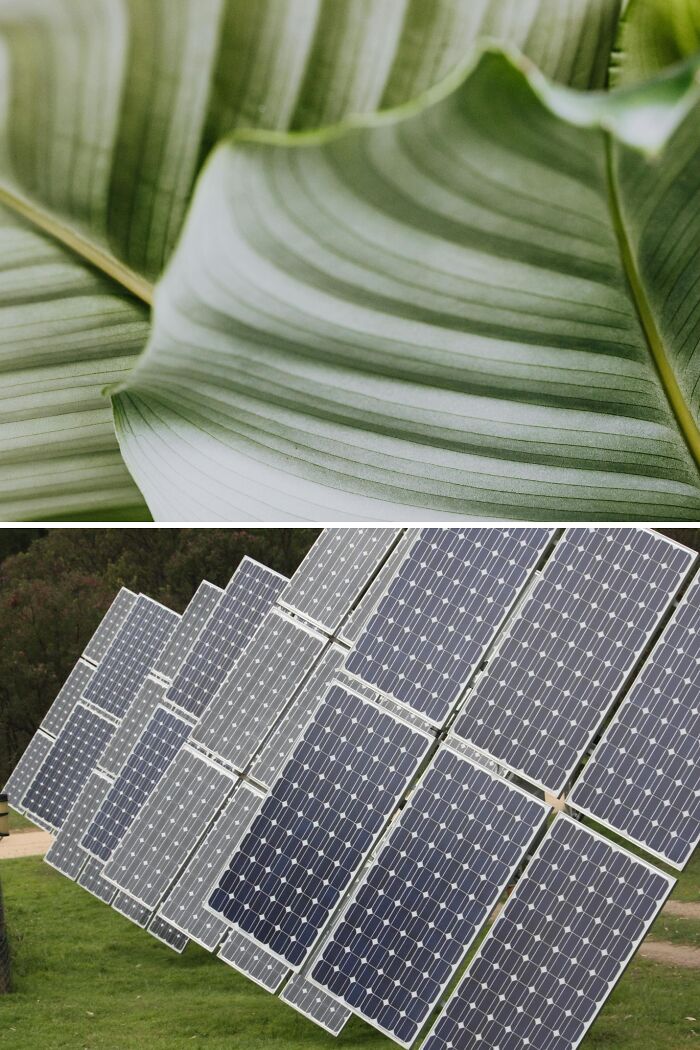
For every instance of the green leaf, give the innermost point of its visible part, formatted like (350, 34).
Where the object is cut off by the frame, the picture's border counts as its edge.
(484, 307)
(654, 34)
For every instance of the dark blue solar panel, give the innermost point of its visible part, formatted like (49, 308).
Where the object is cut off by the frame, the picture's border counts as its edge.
(424, 899)
(441, 613)
(644, 777)
(319, 822)
(131, 655)
(557, 950)
(152, 755)
(67, 766)
(251, 591)
(571, 649)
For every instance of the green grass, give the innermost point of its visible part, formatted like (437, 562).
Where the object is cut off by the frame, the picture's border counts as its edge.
(677, 930)
(20, 823)
(87, 979)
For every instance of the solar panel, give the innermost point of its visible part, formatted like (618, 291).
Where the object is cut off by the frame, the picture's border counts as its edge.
(427, 894)
(132, 909)
(570, 650)
(354, 625)
(131, 656)
(192, 621)
(441, 613)
(166, 933)
(27, 768)
(184, 905)
(110, 625)
(259, 689)
(68, 696)
(132, 725)
(168, 827)
(66, 854)
(251, 591)
(319, 822)
(91, 879)
(280, 744)
(643, 779)
(156, 748)
(558, 948)
(335, 572)
(314, 1003)
(254, 961)
(67, 766)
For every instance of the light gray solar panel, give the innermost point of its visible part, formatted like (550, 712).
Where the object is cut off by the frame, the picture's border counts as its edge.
(22, 776)
(259, 689)
(271, 760)
(316, 1004)
(184, 905)
(358, 619)
(335, 572)
(110, 625)
(130, 657)
(132, 725)
(66, 854)
(570, 650)
(192, 621)
(168, 934)
(69, 695)
(168, 827)
(254, 961)
(132, 909)
(91, 879)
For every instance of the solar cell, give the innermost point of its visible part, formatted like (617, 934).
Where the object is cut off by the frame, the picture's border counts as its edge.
(192, 621)
(69, 695)
(570, 650)
(151, 756)
(557, 949)
(643, 779)
(132, 909)
(91, 879)
(314, 1003)
(132, 725)
(252, 960)
(354, 625)
(280, 744)
(131, 656)
(168, 827)
(184, 905)
(66, 854)
(429, 891)
(442, 611)
(27, 768)
(319, 822)
(251, 591)
(67, 766)
(335, 572)
(166, 933)
(259, 689)
(110, 625)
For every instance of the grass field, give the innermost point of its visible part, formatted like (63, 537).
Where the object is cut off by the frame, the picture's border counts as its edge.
(20, 823)
(87, 979)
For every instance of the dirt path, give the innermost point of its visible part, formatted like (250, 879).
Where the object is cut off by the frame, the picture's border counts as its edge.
(671, 954)
(25, 844)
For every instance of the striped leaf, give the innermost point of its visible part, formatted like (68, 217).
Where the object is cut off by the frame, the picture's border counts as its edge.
(655, 34)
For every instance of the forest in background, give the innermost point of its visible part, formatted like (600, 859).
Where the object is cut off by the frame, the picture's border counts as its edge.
(57, 584)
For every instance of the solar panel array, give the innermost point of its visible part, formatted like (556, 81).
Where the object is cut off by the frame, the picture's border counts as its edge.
(360, 874)
(110, 625)
(68, 696)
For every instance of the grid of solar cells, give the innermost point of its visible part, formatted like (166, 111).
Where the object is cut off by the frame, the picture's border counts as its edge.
(184, 906)
(360, 616)
(27, 768)
(168, 826)
(157, 746)
(166, 933)
(571, 649)
(68, 696)
(441, 613)
(280, 744)
(432, 887)
(558, 948)
(335, 572)
(91, 879)
(314, 1003)
(131, 656)
(251, 592)
(643, 779)
(110, 625)
(66, 854)
(260, 687)
(131, 726)
(67, 766)
(192, 621)
(318, 824)
(252, 960)
(131, 909)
